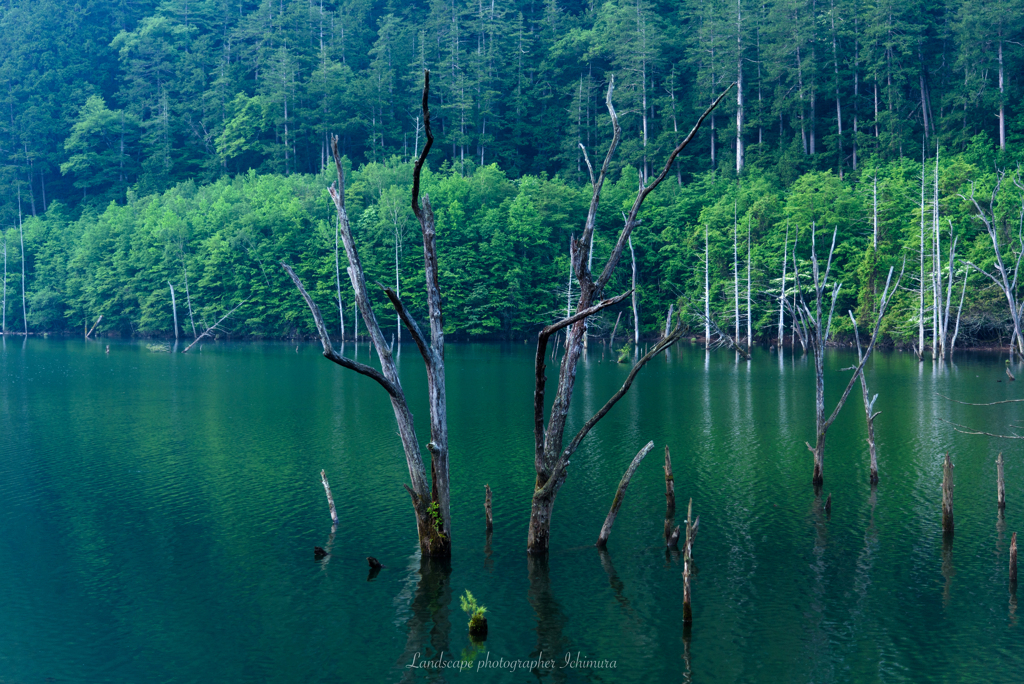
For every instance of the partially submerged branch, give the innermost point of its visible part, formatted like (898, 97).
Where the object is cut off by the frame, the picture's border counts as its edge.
(606, 529)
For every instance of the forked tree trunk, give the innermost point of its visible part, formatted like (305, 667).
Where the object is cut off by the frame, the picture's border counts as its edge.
(551, 456)
(431, 506)
(815, 327)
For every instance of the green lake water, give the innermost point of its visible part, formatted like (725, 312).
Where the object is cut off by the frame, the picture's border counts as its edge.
(158, 514)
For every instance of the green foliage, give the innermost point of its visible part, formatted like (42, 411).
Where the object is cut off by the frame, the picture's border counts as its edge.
(474, 610)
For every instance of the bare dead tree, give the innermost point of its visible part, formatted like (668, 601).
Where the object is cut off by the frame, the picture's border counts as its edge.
(550, 456)
(814, 328)
(1005, 279)
(213, 328)
(718, 338)
(869, 407)
(431, 506)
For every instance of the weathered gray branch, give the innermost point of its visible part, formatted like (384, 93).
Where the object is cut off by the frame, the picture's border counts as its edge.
(606, 529)
(214, 327)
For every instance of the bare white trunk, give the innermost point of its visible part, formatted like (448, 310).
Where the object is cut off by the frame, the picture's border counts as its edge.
(337, 277)
(636, 305)
(782, 288)
(174, 307)
(739, 86)
(707, 292)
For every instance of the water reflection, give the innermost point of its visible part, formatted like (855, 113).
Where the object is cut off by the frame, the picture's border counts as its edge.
(551, 618)
(429, 624)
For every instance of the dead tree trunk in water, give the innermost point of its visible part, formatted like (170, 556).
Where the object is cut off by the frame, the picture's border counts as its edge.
(330, 499)
(670, 497)
(947, 496)
(550, 456)
(431, 506)
(487, 508)
(815, 328)
(1000, 487)
(606, 529)
(869, 405)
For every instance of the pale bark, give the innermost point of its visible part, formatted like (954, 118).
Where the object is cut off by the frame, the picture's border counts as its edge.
(1005, 279)
(21, 234)
(550, 458)
(611, 340)
(736, 269)
(668, 320)
(1000, 486)
(620, 492)
(782, 288)
(670, 497)
(330, 499)
(174, 307)
(869, 405)
(739, 86)
(750, 334)
(337, 281)
(212, 328)
(636, 305)
(814, 329)
(89, 333)
(707, 293)
(947, 496)
(921, 280)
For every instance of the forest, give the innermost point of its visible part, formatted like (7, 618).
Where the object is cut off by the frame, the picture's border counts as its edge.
(183, 145)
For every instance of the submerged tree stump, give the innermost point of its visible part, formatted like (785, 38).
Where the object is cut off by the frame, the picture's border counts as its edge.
(330, 499)
(487, 507)
(947, 496)
(1000, 487)
(670, 498)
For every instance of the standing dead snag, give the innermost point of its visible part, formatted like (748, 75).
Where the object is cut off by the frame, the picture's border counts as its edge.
(814, 330)
(670, 498)
(606, 529)
(1000, 487)
(487, 508)
(947, 496)
(431, 506)
(869, 405)
(330, 499)
(551, 458)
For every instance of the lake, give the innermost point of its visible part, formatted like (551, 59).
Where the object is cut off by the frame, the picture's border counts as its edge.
(158, 514)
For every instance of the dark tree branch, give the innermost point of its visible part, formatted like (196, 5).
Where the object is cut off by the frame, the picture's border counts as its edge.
(540, 367)
(325, 341)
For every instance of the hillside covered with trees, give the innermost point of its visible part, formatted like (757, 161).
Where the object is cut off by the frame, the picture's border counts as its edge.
(184, 143)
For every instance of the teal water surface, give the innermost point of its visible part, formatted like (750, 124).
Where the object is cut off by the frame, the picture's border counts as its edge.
(158, 514)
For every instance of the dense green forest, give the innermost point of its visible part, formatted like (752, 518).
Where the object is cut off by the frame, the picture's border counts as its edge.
(149, 144)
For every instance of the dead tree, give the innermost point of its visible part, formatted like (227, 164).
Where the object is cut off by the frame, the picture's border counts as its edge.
(1005, 279)
(814, 328)
(213, 328)
(947, 497)
(620, 492)
(551, 457)
(431, 506)
(174, 308)
(670, 497)
(869, 407)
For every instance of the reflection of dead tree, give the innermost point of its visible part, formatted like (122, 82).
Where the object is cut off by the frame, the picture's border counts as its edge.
(431, 506)
(814, 328)
(965, 430)
(429, 624)
(215, 327)
(551, 619)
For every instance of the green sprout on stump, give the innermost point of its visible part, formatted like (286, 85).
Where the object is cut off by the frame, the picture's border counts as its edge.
(477, 621)
(434, 511)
